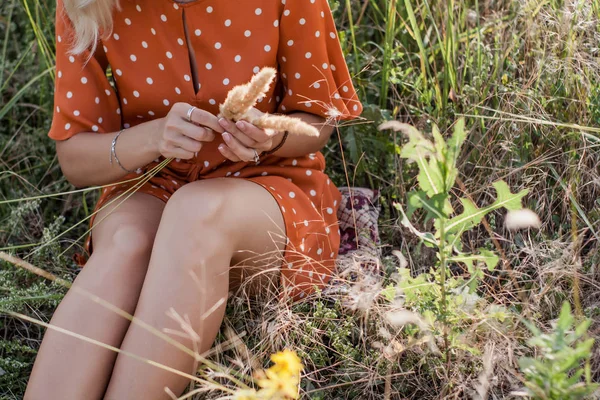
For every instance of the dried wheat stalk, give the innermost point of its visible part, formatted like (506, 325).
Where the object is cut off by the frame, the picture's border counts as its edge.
(241, 99)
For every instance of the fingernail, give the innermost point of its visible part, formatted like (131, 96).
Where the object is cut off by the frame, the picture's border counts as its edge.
(223, 122)
(240, 125)
(221, 147)
(226, 137)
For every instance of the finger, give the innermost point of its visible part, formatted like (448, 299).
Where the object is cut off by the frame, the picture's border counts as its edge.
(227, 153)
(231, 127)
(178, 152)
(195, 132)
(243, 153)
(255, 133)
(198, 117)
(186, 143)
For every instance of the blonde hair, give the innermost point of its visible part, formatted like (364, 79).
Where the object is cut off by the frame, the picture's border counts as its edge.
(90, 18)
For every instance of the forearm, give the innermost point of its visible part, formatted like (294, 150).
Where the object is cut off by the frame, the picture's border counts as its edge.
(85, 158)
(297, 146)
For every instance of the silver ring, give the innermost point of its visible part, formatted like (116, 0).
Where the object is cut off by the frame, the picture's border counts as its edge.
(190, 112)
(256, 156)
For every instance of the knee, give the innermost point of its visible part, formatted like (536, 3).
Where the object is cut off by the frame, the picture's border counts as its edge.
(197, 206)
(127, 242)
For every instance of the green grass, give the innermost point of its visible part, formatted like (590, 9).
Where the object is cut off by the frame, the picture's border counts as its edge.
(525, 74)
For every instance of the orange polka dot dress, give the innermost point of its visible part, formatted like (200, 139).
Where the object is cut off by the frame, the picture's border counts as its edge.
(148, 54)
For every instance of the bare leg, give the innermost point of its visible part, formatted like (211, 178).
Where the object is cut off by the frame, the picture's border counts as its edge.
(67, 368)
(204, 226)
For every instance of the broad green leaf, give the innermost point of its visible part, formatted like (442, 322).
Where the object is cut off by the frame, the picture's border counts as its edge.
(430, 176)
(437, 207)
(565, 319)
(489, 258)
(472, 215)
(454, 145)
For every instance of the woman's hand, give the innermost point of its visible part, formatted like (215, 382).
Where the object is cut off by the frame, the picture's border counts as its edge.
(180, 138)
(242, 138)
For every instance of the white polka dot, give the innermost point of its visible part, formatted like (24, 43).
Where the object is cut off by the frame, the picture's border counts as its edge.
(136, 93)
(327, 230)
(258, 11)
(227, 22)
(60, 74)
(329, 210)
(256, 70)
(237, 173)
(169, 54)
(100, 120)
(209, 9)
(116, 36)
(238, 58)
(137, 7)
(283, 59)
(319, 251)
(162, 67)
(308, 55)
(264, 173)
(198, 32)
(212, 101)
(276, 23)
(267, 48)
(308, 104)
(124, 101)
(67, 126)
(151, 113)
(355, 107)
(163, 17)
(317, 34)
(302, 21)
(84, 80)
(305, 223)
(295, 162)
(297, 75)
(286, 12)
(118, 111)
(69, 95)
(247, 33)
(180, 41)
(313, 193)
(72, 59)
(76, 113)
(332, 35)
(59, 39)
(187, 78)
(336, 96)
(57, 109)
(176, 6)
(218, 45)
(95, 128)
(119, 72)
(166, 102)
(133, 57)
(325, 65)
(144, 44)
(308, 172)
(290, 43)
(97, 100)
(149, 80)
(127, 21)
(292, 195)
(153, 31)
(206, 164)
(226, 81)
(316, 85)
(177, 90)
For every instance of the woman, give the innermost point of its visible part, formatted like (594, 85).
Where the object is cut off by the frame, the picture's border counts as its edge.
(235, 195)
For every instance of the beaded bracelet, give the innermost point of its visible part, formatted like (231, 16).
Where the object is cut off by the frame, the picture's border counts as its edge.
(279, 146)
(113, 153)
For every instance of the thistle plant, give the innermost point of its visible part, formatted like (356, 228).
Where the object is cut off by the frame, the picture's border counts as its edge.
(556, 373)
(436, 161)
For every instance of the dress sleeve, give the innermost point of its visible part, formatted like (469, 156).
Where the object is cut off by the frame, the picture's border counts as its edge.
(313, 70)
(84, 100)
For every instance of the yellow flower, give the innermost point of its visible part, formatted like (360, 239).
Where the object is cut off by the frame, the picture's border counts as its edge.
(281, 384)
(247, 394)
(287, 362)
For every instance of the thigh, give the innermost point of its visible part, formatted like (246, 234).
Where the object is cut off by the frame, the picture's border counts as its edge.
(249, 218)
